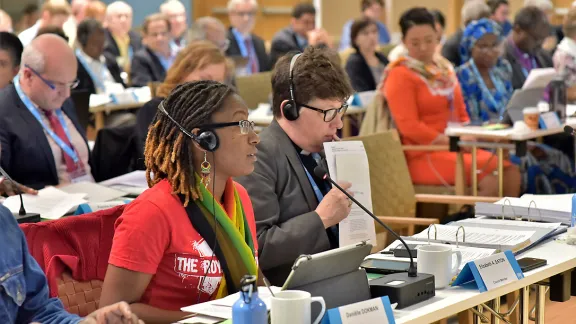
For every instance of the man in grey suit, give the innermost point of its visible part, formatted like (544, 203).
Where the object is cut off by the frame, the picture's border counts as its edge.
(301, 33)
(296, 212)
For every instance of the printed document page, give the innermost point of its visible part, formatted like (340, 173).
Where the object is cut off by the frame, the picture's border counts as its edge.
(50, 203)
(347, 161)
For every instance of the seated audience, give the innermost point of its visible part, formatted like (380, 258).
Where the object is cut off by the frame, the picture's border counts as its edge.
(296, 211)
(199, 141)
(472, 10)
(210, 29)
(176, 13)
(155, 58)
(243, 43)
(53, 13)
(440, 21)
(5, 22)
(500, 10)
(556, 34)
(28, 17)
(301, 33)
(42, 143)
(485, 77)
(371, 9)
(78, 11)
(121, 42)
(524, 46)
(27, 299)
(565, 56)
(10, 55)
(365, 66)
(96, 73)
(96, 10)
(424, 96)
(200, 60)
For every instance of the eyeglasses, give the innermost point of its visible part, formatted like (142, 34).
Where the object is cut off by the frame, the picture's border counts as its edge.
(246, 126)
(54, 84)
(329, 114)
(248, 14)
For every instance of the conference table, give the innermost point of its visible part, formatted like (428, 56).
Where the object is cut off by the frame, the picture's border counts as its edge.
(499, 140)
(449, 301)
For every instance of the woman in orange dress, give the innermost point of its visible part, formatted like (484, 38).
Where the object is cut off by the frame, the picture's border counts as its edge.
(423, 95)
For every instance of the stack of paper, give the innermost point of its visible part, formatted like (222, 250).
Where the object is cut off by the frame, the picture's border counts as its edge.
(133, 183)
(50, 203)
(221, 309)
(543, 208)
(93, 192)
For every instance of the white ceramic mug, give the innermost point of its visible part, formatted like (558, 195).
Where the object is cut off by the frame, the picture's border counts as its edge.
(294, 306)
(437, 260)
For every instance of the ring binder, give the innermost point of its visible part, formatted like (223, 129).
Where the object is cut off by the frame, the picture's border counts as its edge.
(435, 232)
(535, 207)
(463, 235)
(509, 204)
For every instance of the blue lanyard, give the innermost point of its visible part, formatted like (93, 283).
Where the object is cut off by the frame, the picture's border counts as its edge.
(486, 93)
(130, 52)
(67, 149)
(97, 81)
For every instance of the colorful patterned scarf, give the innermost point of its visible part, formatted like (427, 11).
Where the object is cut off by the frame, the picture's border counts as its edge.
(438, 76)
(234, 247)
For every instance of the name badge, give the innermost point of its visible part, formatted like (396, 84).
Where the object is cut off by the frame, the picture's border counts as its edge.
(490, 272)
(377, 310)
(549, 120)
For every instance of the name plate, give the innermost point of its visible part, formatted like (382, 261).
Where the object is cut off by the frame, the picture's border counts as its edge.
(377, 310)
(549, 120)
(93, 207)
(126, 97)
(490, 272)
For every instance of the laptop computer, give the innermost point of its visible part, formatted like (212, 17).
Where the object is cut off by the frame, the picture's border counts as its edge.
(521, 99)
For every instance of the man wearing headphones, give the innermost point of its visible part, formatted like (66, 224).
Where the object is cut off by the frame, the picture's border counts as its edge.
(297, 212)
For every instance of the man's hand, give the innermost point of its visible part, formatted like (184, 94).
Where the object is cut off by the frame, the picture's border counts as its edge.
(335, 206)
(11, 188)
(118, 313)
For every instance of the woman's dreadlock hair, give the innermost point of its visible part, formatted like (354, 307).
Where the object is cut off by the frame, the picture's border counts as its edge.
(168, 153)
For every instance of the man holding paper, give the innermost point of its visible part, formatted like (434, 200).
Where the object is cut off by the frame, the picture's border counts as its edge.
(296, 212)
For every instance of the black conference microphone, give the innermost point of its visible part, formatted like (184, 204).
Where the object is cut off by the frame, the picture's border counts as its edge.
(400, 289)
(22, 216)
(569, 130)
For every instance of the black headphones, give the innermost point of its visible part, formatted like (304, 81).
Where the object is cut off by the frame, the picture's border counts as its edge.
(291, 109)
(206, 139)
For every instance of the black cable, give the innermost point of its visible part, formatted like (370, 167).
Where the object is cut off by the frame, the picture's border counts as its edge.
(215, 229)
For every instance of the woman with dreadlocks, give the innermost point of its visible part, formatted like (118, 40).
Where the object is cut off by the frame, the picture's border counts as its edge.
(191, 237)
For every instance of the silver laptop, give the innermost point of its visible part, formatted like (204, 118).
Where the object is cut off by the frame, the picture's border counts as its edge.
(522, 99)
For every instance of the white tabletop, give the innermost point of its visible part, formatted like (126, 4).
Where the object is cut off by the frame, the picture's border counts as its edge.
(506, 134)
(450, 301)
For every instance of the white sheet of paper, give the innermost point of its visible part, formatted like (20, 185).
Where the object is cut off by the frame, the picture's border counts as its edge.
(99, 100)
(132, 179)
(489, 221)
(222, 308)
(201, 319)
(347, 161)
(50, 203)
(539, 78)
(94, 192)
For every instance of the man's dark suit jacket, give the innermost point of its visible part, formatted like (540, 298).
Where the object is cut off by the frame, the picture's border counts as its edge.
(359, 72)
(26, 154)
(451, 49)
(284, 206)
(234, 50)
(542, 58)
(283, 42)
(111, 48)
(86, 82)
(145, 68)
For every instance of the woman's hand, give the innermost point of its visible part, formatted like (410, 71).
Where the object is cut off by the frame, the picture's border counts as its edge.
(118, 313)
(12, 188)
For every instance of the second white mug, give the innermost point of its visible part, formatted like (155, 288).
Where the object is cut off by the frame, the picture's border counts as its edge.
(294, 306)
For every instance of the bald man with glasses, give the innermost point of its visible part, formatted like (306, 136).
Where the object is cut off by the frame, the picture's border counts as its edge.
(42, 142)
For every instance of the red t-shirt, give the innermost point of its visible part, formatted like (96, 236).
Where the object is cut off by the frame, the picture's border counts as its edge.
(154, 235)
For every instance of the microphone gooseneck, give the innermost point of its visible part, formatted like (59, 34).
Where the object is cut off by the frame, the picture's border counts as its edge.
(321, 173)
(22, 211)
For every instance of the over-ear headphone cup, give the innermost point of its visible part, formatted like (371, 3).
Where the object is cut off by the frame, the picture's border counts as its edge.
(208, 140)
(290, 111)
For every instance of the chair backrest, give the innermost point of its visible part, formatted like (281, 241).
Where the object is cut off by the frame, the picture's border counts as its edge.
(377, 117)
(255, 88)
(392, 190)
(79, 297)
(81, 100)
